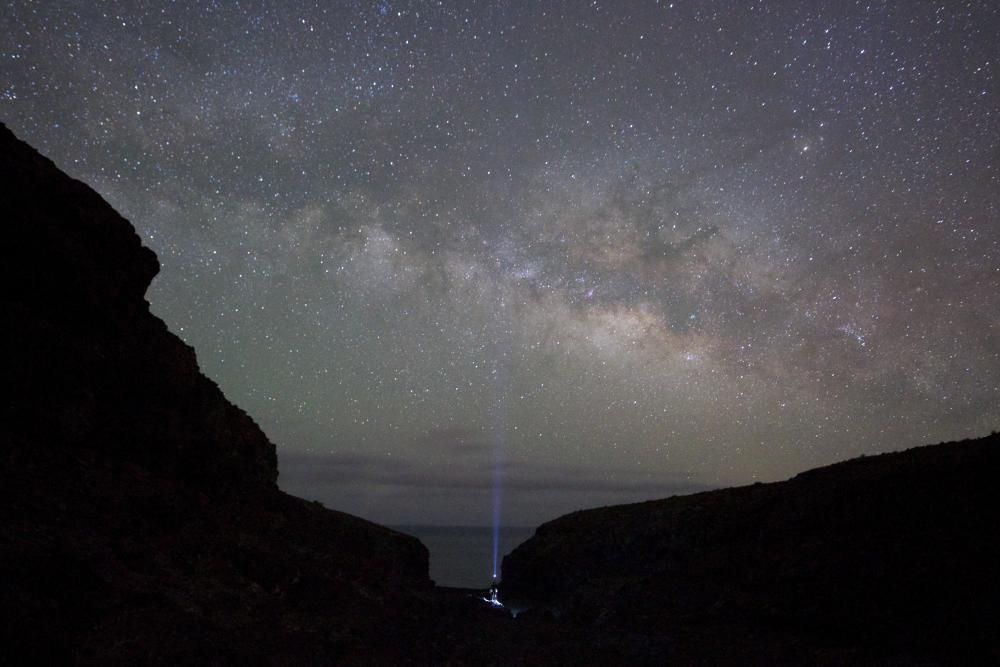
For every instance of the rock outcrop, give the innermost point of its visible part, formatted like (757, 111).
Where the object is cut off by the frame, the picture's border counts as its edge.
(140, 521)
(891, 559)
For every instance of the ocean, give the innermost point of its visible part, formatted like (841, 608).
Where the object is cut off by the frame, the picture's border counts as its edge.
(462, 556)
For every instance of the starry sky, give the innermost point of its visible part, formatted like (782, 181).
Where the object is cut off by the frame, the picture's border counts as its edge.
(596, 251)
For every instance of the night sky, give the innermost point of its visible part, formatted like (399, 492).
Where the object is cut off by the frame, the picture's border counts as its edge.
(600, 251)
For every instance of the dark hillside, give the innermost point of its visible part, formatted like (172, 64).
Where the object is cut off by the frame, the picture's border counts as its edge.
(140, 521)
(892, 557)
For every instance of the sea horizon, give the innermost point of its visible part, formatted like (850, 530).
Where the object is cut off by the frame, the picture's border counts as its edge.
(462, 556)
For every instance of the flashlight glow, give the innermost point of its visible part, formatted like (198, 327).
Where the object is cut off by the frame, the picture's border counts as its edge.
(502, 377)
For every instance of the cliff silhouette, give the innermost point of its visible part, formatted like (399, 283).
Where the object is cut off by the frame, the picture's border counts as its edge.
(888, 559)
(140, 520)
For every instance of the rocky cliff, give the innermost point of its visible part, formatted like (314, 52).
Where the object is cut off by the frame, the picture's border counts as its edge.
(889, 559)
(140, 522)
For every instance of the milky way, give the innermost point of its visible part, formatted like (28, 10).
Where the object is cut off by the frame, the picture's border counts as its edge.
(638, 248)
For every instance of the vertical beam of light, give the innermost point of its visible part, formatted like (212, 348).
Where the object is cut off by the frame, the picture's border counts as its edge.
(501, 373)
(498, 471)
